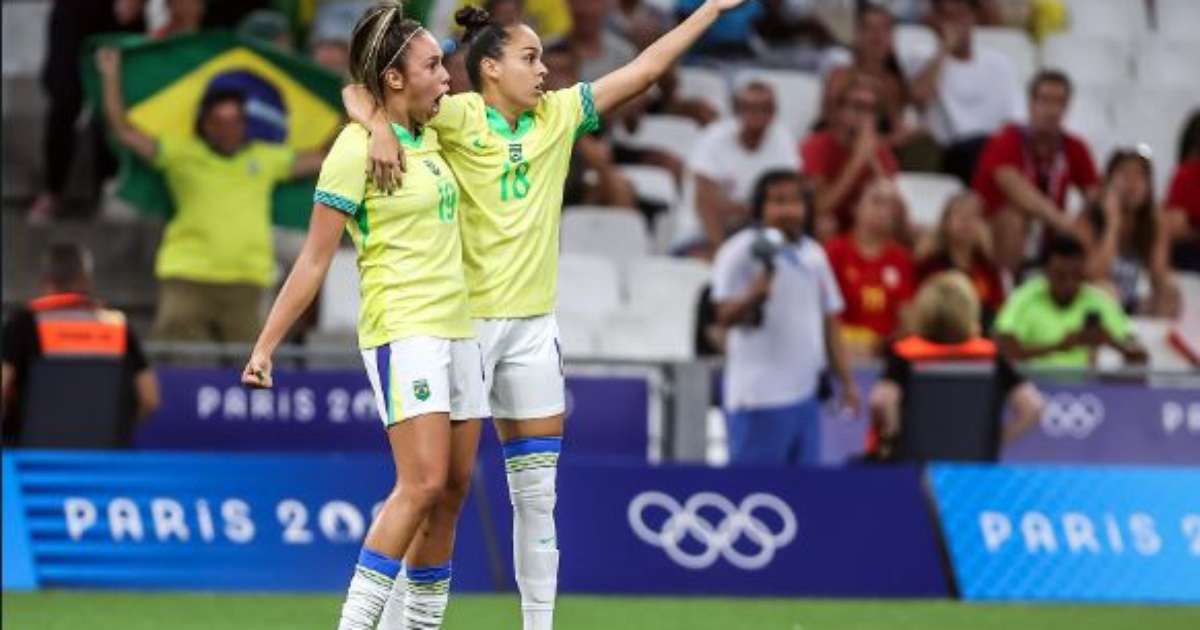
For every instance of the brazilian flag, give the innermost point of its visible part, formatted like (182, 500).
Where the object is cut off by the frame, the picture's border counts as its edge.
(289, 100)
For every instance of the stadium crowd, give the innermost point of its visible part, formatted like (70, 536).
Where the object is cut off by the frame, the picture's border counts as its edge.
(955, 106)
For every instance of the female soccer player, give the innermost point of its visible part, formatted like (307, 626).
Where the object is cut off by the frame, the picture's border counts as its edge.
(414, 328)
(509, 143)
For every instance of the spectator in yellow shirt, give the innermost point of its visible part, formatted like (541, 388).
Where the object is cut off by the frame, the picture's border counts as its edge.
(216, 256)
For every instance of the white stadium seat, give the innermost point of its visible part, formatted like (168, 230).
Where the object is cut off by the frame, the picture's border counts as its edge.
(619, 234)
(675, 134)
(1117, 19)
(588, 287)
(1178, 19)
(1169, 66)
(797, 96)
(652, 183)
(578, 335)
(636, 336)
(340, 296)
(914, 45)
(1088, 60)
(1090, 117)
(1015, 45)
(709, 85)
(661, 284)
(925, 195)
(1153, 333)
(1154, 118)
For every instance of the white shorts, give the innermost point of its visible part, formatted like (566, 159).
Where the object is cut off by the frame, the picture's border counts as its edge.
(522, 366)
(421, 375)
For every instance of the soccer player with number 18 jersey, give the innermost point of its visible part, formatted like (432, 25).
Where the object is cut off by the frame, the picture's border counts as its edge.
(509, 143)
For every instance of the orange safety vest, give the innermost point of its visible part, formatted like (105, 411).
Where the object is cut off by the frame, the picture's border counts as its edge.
(70, 325)
(916, 348)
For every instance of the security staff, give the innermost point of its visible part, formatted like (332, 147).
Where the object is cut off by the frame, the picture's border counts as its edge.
(943, 390)
(67, 327)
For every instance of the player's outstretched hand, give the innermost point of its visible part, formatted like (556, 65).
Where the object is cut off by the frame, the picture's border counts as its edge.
(257, 373)
(726, 5)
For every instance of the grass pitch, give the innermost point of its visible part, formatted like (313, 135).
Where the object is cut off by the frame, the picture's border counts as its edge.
(146, 611)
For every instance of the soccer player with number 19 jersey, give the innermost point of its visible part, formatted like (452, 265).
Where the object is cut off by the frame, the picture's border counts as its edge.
(509, 144)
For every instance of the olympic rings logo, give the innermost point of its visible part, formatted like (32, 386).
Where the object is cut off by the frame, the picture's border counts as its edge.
(1074, 416)
(716, 539)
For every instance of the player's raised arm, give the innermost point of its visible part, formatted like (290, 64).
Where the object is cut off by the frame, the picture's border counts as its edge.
(626, 82)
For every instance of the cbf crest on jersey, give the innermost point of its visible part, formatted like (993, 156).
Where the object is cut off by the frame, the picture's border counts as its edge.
(421, 389)
(288, 101)
(515, 153)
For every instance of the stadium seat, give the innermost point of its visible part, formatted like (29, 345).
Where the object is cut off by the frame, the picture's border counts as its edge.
(652, 183)
(339, 294)
(1089, 61)
(660, 283)
(1090, 117)
(925, 195)
(1153, 334)
(588, 287)
(1178, 19)
(619, 234)
(25, 40)
(634, 336)
(1154, 118)
(1166, 64)
(1013, 44)
(709, 85)
(797, 96)
(577, 335)
(1117, 19)
(675, 134)
(914, 44)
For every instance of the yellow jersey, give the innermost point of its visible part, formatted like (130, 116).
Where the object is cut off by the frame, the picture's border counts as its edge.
(221, 230)
(512, 189)
(409, 250)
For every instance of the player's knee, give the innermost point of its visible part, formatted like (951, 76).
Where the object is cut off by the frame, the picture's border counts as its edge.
(423, 492)
(454, 494)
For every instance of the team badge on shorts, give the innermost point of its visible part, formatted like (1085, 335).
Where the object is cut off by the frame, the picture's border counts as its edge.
(421, 389)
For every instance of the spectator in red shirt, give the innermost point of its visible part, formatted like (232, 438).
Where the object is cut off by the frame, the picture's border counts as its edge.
(842, 159)
(1024, 171)
(1183, 199)
(961, 242)
(874, 272)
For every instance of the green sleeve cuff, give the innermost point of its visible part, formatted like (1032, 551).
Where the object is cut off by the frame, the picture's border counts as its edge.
(591, 118)
(335, 201)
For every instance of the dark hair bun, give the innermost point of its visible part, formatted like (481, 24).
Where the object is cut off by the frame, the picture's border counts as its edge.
(473, 20)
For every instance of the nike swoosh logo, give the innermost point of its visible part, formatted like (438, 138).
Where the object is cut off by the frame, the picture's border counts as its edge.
(546, 541)
(479, 144)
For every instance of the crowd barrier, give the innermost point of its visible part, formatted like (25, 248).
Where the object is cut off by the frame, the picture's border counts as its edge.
(238, 521)
(1072, 534)
(206, 409)
(611, 416)
(295, 522)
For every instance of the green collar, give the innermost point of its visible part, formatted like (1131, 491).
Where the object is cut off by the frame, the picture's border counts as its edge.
(498, 124)
(406, 138)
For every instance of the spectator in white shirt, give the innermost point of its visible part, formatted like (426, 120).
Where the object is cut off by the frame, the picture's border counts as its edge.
(776, 293)
(966, 91)
(731, 155)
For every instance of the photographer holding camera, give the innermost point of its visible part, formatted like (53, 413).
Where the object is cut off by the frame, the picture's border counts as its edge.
(775, 292)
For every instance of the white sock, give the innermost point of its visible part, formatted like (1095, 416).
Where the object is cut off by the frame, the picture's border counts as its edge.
(428, 592)
(393, 612)
(370, 587)
(531, 465)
